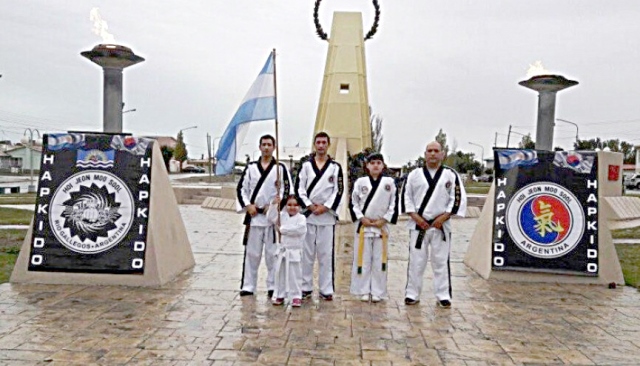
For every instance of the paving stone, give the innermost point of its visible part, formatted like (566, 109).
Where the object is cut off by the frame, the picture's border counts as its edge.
(199, 319)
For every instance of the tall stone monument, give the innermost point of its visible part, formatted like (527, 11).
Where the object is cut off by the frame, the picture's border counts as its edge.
(343, 110)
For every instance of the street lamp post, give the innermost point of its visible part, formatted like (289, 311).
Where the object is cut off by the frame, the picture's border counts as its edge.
(30, 143)
(129, 110)
(575, 124)
(482, 159)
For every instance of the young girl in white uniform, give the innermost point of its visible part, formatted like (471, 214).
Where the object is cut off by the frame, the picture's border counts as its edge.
(373, 207)
(292, 226)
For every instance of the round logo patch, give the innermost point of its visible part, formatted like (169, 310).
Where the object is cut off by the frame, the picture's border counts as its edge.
(545, 220)
(387, 187)
(91, 211)
(364, 189)
(447, 185)
(331, 179)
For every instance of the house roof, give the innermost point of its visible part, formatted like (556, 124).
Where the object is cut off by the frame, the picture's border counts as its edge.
(37, 148)
(168, 141)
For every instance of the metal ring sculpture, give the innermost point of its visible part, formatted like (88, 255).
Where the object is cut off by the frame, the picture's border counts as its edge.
(370, 33)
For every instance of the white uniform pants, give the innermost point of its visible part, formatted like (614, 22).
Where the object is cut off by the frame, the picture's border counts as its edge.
(259, 237)
(318, 242)
(433, 240)
(288, 261)
(372, 280)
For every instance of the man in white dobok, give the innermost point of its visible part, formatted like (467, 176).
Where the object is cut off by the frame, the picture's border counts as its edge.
(431, 195)
(256, 189)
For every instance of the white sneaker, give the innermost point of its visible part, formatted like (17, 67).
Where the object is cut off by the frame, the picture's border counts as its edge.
(365, 298)
(375, 298)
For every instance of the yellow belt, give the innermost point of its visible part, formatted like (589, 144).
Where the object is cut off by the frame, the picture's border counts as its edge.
(385, 239)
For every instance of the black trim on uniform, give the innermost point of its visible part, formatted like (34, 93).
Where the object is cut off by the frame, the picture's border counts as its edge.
(403, 207)
(432, 182)
(287, 186)
(296, 187)
(333, 260)
(457, 195)
(239, 187)
(394, 217)
(336, 202)
(449, 268)
(264, 173)
(244, 257)
(374, 187)
(318, 172)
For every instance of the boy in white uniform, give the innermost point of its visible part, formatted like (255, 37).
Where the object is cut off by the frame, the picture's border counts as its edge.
(255, 191)
(431, 195)
(319, 190)
(373, 206)
(292, 226)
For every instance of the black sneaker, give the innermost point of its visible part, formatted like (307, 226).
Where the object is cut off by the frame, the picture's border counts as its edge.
(410, 301)
(306, 295)
(270, 293)
(444, 304)
(246, 293)
(326, 297)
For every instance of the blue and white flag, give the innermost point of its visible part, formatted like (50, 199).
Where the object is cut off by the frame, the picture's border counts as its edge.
(259, 104)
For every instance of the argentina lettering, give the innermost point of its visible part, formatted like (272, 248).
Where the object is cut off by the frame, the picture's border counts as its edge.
(546, 212)
(92, 204)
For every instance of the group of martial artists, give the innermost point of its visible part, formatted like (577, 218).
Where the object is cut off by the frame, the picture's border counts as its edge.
(305, 216)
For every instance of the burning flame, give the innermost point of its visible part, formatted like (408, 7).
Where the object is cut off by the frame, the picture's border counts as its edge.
(100, 26)
(537, 69)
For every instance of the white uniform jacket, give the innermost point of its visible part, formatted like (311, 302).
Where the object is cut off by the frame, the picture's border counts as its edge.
(375, 199)
(258, 186)
(322, 186)
(432, 196)
(292, 228)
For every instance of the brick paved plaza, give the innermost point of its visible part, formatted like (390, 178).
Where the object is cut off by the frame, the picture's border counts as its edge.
(199, 319)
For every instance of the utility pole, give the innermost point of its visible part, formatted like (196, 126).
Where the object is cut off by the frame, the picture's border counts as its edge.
(508, 135)
(209, 153)
(495, 140)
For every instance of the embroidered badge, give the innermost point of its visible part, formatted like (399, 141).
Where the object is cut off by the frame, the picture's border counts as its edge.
(387, 187)
(364, 190)
(448, 185)
(331, 179)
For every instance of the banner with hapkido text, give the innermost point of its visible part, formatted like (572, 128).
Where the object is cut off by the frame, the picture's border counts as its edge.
(546, 211)
(92, 204)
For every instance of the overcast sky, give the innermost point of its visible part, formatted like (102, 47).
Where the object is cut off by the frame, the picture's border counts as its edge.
(449, 64)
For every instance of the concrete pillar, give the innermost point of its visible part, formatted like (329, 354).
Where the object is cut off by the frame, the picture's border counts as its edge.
(113, 59)
(547, 86)
(112, 97)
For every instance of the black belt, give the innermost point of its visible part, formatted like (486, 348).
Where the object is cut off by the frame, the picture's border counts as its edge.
(421, 234)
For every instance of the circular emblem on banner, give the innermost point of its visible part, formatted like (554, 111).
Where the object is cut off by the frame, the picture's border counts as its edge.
(331, 179)
(545, 220)
(387, 187)
(91, 211)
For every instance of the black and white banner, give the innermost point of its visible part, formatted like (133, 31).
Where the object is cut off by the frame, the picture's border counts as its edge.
(546, 211)
(92, 204)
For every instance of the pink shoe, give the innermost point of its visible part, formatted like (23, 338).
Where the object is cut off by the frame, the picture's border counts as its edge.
(277, 302)
(296, 303)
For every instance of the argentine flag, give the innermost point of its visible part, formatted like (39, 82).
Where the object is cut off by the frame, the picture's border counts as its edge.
(259, 104)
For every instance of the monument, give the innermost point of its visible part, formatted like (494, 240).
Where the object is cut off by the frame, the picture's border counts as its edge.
(105, 213)
(343, 110)
(543, 218)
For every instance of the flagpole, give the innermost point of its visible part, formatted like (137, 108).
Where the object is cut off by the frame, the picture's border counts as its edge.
(275, 106)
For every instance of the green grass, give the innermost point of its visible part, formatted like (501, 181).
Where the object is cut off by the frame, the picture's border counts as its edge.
(629, 255)
(10, 242)
(14, 216)
(18, 199)
(631, 233)
(477, 187)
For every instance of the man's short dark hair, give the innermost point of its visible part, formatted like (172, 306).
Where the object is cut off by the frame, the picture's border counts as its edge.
(375, 156)
(322, 134)
(268, 137)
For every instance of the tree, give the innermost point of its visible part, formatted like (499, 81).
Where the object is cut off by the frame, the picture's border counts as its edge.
(167, 154)
(627, 149)
(441, 137)
(527, 142)
(376, 132)
(180, 152)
